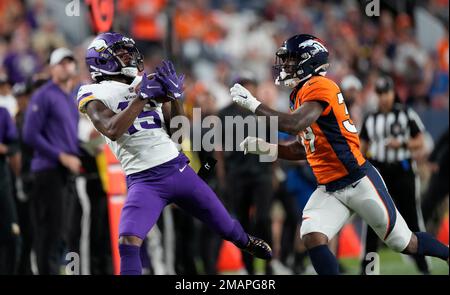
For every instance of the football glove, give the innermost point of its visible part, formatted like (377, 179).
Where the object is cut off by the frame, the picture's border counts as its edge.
(151, 88)
(173, 83)
(244, 98)
(258, 146)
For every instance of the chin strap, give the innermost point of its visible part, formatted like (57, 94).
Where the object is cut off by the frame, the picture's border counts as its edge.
(129, 72)
(293, 82)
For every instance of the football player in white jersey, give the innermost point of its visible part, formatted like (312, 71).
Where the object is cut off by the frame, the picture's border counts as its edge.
(132, 113)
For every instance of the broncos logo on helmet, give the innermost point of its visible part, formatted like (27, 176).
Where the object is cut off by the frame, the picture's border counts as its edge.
(112, 54)
(299, 58)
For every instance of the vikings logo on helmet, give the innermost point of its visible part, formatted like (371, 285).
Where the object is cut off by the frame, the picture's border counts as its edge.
(99, 45)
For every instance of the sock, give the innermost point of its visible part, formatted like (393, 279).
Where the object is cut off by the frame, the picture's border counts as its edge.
(429, 246)
(130, 260)
(324, 262)
(145, 258)
(238, 236)
(299, 261)
(422, 264)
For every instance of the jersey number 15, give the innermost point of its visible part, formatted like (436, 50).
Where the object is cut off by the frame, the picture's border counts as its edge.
(144, 114)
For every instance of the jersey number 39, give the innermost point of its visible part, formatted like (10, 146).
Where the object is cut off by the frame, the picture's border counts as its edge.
(308, 134)
(346, 123)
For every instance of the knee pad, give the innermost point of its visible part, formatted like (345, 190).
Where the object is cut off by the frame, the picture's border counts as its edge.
(309, 226)
(398, 241)
(305, 228)
(400, 236)
(397, 244)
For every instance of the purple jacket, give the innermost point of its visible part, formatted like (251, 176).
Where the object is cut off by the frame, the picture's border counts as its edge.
(51, 126)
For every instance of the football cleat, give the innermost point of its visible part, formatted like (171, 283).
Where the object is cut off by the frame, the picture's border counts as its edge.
(258, 248)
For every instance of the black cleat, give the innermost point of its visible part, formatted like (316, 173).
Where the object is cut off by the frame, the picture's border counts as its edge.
(258, 248)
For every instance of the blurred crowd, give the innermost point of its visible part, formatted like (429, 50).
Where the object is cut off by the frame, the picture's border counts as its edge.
(217, 43)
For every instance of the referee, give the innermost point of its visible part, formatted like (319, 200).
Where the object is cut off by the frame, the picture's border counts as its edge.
(388, 138)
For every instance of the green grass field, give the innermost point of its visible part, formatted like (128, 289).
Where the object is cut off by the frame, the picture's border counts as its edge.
(392, 263)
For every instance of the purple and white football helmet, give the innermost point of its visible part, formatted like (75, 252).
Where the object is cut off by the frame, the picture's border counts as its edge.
(111, 54)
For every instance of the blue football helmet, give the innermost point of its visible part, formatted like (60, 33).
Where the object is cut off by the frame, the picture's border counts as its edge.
(299, 58)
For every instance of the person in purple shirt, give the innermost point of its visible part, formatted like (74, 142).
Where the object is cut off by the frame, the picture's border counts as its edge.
(21, 66)
(9, 229)
(21, 62)
(50, 128)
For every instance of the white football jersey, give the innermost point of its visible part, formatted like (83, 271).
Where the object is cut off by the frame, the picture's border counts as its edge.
(147, 143)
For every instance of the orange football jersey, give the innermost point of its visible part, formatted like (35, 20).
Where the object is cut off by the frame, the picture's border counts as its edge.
(332, 142)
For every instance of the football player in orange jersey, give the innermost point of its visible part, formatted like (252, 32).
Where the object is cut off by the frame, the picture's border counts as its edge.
(328, 140)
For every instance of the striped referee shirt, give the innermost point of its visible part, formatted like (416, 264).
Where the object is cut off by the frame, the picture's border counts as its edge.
(378, 128)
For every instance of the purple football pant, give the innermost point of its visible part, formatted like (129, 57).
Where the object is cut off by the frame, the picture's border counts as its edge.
(151, 190)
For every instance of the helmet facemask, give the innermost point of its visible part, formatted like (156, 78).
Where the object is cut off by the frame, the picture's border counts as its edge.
(129, 57)
(286, 68)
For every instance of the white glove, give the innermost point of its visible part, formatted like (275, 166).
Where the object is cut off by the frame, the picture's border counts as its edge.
(244, 98)
(258, 146)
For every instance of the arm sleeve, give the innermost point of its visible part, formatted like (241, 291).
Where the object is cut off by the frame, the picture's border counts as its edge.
(35, 120)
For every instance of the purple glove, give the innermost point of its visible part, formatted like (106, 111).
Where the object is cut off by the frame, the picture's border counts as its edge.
(151, 88)
(168, 78)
